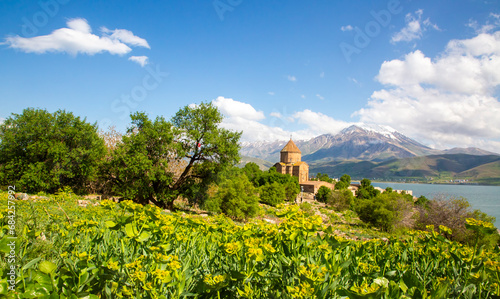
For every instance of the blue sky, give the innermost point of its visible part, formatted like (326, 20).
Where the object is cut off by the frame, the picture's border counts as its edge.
(429, 69)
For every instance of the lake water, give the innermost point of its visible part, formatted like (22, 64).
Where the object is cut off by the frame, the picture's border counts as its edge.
(484, 198)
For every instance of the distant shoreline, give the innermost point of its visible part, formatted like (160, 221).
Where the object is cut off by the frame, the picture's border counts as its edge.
(446, 184)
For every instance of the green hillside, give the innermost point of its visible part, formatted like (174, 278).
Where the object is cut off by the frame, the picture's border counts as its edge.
(263, 164)
(435, 168)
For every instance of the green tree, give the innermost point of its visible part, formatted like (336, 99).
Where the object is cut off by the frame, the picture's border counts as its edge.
(181, 157)
(323, 177)
(252, 170)
(272, 193)
(366, 190)
(139, 165)
(42, 151)
(235, 196)
(343, 183)
(346, 179)
(324, 194)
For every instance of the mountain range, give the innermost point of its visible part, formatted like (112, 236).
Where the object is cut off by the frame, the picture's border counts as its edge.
(380, 152)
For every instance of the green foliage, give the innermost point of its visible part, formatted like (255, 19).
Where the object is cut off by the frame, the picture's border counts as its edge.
(366, 190)
(139, 165)
(385, 210)
(125, 250)
(341, 200)
(42, 151)
(235, 197)
(290, 183)
(323, 177)
(422, 201)
(324, 194)
(160, 160)
(307, 208)
(272, 193)
(343, 183)
(252, 171)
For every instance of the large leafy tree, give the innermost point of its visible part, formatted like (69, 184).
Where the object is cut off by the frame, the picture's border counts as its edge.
(139, 166)
(42, 151)
(159, 160)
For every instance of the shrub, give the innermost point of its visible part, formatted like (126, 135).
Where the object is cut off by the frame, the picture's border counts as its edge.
(341, 200)
(324, 194)
(290, 183)
(42, 151)
(452, 213)
(272, 194)
(386, 211)
(235, 197)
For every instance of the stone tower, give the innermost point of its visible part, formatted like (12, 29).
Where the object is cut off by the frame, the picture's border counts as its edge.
(291, 162)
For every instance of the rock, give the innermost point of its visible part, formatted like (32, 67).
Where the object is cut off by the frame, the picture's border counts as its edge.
(203, 215)
(83, 203)
(21, 196)
(270, 221)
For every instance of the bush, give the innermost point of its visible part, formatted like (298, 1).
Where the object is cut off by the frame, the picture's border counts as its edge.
(272, 194)
(386, 211)
(340, 200)
(324, 194)
(236, 197)
(42, 151)
(452, 212)
(260, 179)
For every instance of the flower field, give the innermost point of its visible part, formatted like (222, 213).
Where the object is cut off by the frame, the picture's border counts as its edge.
(125, 250)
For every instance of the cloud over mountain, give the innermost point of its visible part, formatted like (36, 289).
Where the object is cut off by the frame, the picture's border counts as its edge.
(448, 100)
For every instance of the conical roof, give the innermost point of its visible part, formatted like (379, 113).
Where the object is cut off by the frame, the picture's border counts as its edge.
(290, 147)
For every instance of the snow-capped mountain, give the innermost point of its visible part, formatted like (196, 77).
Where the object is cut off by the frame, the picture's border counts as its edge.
(362, 142)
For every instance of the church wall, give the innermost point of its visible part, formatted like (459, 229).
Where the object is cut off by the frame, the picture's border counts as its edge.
(287, 157)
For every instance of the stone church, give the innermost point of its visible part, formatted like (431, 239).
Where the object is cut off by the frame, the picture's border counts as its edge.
(291, 162)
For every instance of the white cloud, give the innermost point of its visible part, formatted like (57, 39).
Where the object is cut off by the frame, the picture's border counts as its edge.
(446, 101)
(291, 78)
(414, 28)
(303, 96)
(240, 116)
(127, 37)
(77, 38)
(232, 108)
(320, 97)
(491, 24)
(141, 60)
(271, 93)
(318, 123)
(322, 75)
(346, 28)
